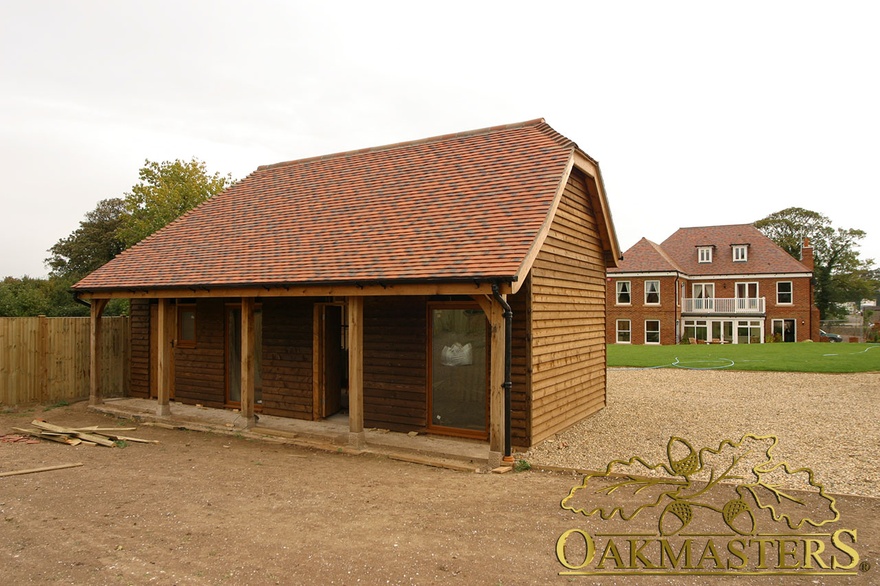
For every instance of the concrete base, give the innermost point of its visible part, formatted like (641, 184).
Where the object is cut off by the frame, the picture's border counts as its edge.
(357, 440)
(163, 410)
(494, 459)
(245, 422)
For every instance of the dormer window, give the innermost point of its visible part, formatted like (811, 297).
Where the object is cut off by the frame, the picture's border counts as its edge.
(705, 253)
(740, 252)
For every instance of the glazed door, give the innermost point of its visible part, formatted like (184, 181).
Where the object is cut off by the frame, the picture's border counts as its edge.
(458, 363)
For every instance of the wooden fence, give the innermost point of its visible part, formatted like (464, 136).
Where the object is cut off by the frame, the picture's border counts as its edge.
(46, 360)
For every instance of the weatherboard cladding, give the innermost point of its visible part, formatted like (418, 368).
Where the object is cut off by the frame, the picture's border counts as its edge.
(455, 207)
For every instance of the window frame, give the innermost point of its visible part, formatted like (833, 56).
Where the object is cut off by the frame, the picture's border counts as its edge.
(618, 292)
(740, 252)
(790, 293)
(648, 292)
(704, 254)
(618, 331)
(647, 331)
(186, 342)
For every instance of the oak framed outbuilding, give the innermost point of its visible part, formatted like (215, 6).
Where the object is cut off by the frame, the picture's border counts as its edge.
(453, 285)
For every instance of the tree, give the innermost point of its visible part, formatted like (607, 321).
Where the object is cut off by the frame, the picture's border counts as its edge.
(165, 192)
(839, 274)
(93, 244)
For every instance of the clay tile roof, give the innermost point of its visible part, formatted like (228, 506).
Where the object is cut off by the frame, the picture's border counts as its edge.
(764, 256)
(645, 256)
(454, 207)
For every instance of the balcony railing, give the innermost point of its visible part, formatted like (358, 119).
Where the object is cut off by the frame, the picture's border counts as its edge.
(724, 305)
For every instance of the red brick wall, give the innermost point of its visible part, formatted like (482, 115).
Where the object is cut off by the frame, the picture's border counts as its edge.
(669, 311)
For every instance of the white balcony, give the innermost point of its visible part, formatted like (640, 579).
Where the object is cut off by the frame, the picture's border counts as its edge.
(725, 305)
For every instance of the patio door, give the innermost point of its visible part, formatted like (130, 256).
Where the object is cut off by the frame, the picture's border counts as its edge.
(747, 296)
(233, 356)
(458, 370)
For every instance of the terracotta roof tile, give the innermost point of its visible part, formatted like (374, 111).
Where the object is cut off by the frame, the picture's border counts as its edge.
(679, 252)
(645, 256)
(764, 256)
(454, 207)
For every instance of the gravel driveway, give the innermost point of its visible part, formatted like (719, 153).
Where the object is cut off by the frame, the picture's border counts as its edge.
(829, 423)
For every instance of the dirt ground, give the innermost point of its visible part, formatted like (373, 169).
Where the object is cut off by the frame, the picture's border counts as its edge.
(205, 508)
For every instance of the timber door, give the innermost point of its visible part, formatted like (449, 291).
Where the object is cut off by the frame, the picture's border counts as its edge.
(329, 360)
(458, 371)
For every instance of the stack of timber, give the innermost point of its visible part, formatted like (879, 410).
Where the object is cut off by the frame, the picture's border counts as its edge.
(91, 436)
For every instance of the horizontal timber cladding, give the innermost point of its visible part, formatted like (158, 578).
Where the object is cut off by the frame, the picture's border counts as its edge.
(568, 317)
(287, 372)
(139, 386)
(520, 392)
(395, 363)
(200, 371)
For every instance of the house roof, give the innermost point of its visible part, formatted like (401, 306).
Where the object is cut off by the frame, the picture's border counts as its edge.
(679, 253)
(646, 256)
(764, 255)
(460, 207)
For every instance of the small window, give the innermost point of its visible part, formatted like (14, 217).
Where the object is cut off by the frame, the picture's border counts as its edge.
(705, 253)
(186, 326)
(652, 331)
(652, 292)
(783, 293)
(623, 297)
(740, 253)
(624, 331)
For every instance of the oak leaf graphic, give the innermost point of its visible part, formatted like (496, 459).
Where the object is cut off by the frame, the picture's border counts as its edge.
(743, 475)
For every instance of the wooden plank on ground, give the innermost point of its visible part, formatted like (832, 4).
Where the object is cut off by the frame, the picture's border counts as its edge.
(43, 469)
(82, 435)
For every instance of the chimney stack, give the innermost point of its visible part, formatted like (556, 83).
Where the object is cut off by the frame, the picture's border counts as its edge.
(807, 254)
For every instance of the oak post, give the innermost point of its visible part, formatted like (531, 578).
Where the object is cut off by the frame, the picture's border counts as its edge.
(248, 368)
(164, 342)
(496, 384)
(355, 307)
(95, 351)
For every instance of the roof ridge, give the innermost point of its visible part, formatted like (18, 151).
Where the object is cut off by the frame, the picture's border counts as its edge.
(396, 145)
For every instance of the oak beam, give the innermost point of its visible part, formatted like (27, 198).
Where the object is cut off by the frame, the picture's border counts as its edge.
(426, 289)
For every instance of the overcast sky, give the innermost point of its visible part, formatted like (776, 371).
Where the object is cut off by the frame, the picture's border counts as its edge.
(699, 113)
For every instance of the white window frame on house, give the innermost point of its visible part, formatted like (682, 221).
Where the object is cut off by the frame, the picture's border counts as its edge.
(623, 287)
(740, 252)
(703, 295)
(704, 253)
(627, 331)
(745, 300)
(652, 288)
(652, 336)
(780, 293)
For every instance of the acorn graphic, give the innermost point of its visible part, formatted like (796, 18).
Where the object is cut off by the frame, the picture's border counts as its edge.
(738, 516)
(675, 517)
(687, 465)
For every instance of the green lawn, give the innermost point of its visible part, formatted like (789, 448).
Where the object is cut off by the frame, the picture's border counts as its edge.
(796, 357)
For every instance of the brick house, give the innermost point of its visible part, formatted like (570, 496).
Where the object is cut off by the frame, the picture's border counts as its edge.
(716, 284)
(450, 285)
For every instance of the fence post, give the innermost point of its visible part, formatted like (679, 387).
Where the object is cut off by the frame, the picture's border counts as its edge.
(43, 359)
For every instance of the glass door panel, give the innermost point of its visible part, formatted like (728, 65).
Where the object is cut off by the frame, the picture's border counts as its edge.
(458, 347)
